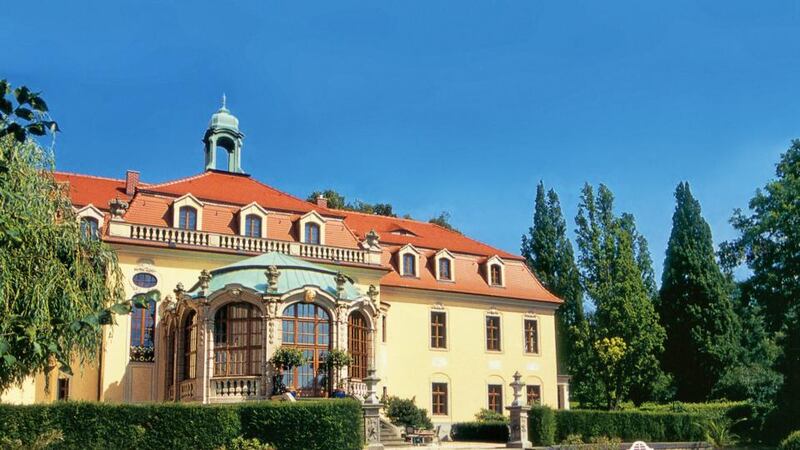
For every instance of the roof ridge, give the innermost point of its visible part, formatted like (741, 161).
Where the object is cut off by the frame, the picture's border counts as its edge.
(178, 180)
(97, 177)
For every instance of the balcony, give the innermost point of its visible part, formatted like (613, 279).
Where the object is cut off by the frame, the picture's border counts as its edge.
(241, 244)
(235, 389)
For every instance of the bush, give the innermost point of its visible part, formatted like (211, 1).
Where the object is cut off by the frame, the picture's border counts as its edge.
(483, 431)
(405, 413)
(542, 425)
(106, 426)
(629, 425)
(487, 415)
(792, 442)
(241, 443)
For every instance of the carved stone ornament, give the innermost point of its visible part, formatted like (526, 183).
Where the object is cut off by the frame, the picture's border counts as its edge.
(438, 306)
(204, 279)
(179, 291)
(372, 239)
(118, 207)
(272, 274)
(309, 295)
(493, 311)
(372, 293)
(341, 280)
(236, 292)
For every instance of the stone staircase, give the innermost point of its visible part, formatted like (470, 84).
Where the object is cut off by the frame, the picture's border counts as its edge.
(390, 435)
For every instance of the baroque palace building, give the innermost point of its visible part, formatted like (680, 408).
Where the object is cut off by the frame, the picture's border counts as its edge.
(243, 269)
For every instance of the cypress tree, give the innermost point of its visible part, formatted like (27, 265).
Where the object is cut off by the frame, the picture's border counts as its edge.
(695, 308)
(625, 322)
(549, 255)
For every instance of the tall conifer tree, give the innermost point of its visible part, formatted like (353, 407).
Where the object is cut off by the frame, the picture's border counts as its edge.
(625, 324)
(694, 305)
(549, 254)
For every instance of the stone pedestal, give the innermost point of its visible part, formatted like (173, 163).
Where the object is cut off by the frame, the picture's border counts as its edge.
(372, 408)
(518, 427)
(518, 423)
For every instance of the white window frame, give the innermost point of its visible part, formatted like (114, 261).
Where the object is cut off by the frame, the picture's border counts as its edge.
(187, 200)
(405, 250)
(444, 254)
(256, 210)
(312, 217)
(495, 260)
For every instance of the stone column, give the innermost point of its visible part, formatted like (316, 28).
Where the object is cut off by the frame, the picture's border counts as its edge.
(372, 408)
(518, 425)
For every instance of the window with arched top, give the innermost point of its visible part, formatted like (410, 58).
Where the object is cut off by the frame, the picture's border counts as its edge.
(190, 347)
(496, 275)
(409, 266)
(312, 233)
(143, 326)
(308, 327)
(445, 269)
(252, 226)
(187, 218)
(358, 344)
(237, 340)
(90, 227)
(170, 359)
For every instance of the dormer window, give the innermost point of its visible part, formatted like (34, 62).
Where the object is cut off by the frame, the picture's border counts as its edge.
(444, 265)
(187, 218)
(445, 272)
(496, 274)
(408, 261)
(409, 265)
(187, 213)
(90, 227)
(252, 226)
(312, 233)
(312, 228)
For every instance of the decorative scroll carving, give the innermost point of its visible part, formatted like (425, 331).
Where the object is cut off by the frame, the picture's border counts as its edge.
(118, 208)
(272, 274)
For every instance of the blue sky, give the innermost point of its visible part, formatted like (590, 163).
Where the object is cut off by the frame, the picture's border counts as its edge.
(460, 106)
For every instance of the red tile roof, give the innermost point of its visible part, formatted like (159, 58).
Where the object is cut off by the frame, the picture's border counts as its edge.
(86, 189)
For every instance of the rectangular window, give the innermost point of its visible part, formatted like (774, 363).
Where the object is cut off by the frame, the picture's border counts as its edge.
(438, 329)
(496, 398)
(493, 333)
(534, 394)
(63, 389)
(531, 336)
(439, 399)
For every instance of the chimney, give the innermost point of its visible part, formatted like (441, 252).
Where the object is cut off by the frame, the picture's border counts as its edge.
(322, 201)
(131, 182)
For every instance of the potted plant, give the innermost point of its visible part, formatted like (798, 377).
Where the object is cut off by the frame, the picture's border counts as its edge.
(334, 361)
(285, 359)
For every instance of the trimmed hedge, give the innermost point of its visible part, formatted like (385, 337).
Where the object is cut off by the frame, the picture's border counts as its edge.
(548, 427)
(304, 425)
(792, 442)
(495, 431)
(542, 425)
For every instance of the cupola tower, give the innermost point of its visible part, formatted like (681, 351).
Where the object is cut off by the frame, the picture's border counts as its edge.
(223, 131)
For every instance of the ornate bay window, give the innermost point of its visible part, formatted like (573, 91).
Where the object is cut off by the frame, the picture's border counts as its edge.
(307, 326)
(238, 340)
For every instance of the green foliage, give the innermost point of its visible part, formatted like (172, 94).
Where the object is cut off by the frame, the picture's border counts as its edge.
(481, 431)
(338, 201)
(335, 360)
(792, 442)
(549, 255)
(614, 271)
(39, 442)
(488, 415)
(404, 412)
(29, 116)
(788, 403)
(443, 220)
(694, 305)
(315, 425)
(542, 425)
(629, 425)
(304, 425)
(718, 431)
(57, 288)
(287, 358)
(241, 443)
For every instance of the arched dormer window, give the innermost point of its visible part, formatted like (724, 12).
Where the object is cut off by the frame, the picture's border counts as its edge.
(187, 218)
(496, 275)
(311, 228)
(312, 233)
(495, 272)
(252, 226)
(444, 265)
(90, 228)
(187, 213)
(408, 261)
(409, 265)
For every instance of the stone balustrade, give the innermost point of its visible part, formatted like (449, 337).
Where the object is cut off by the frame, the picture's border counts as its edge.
(357, 388)
(186, 392)
(244, 244)
(237, 388)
